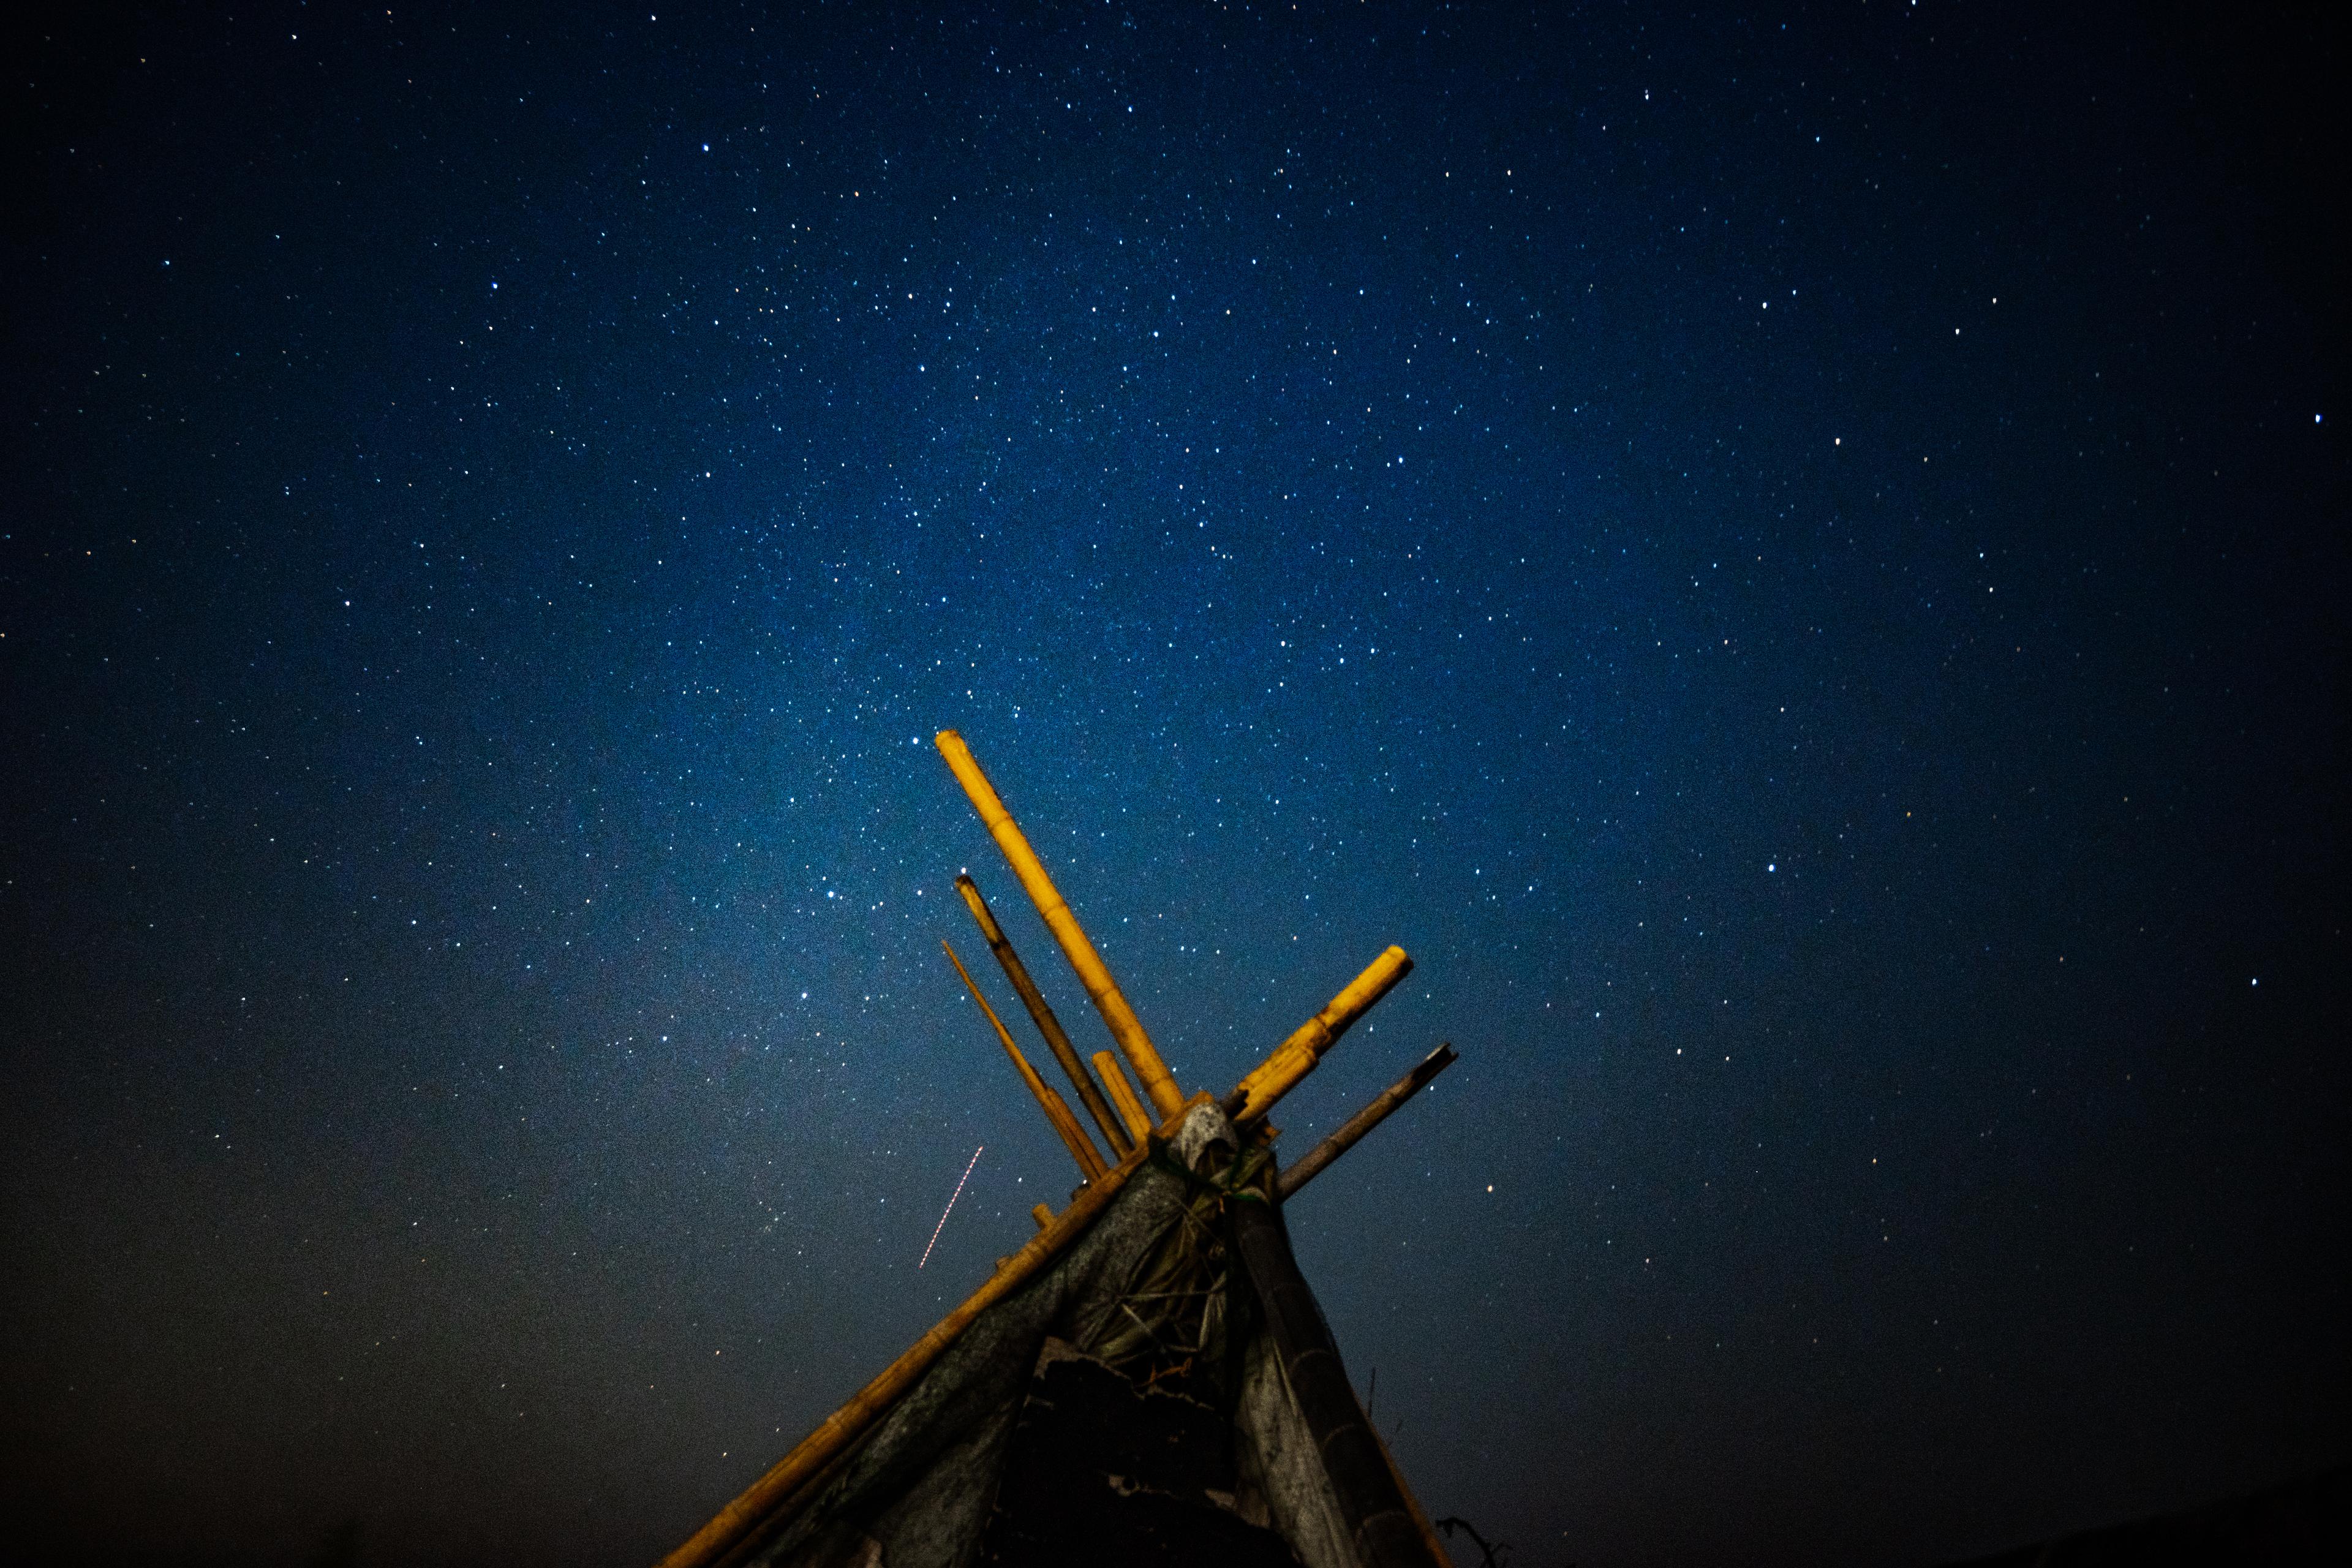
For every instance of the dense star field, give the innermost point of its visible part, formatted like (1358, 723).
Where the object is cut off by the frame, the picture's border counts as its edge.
(1795, 561)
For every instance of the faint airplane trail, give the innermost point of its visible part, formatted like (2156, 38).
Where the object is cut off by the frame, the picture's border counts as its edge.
(949, 1209)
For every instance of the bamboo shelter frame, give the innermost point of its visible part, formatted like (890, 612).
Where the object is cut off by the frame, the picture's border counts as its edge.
(1126, 1028)
(1055, 1233)
(1374, 1499)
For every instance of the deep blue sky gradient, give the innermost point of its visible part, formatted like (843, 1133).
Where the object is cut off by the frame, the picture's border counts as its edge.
(1795, 561)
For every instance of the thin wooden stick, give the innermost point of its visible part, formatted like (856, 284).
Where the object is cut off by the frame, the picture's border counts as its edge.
(1363, 1121)
(1074, 1137)
(1126, 1029)
(1057, 1040)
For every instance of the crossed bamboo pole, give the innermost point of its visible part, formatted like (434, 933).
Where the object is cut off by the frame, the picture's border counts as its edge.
(1126, 1028)
(1129, 1132)
(1251, 1099)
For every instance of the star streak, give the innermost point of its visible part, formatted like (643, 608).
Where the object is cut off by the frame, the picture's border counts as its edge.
(949, 1209)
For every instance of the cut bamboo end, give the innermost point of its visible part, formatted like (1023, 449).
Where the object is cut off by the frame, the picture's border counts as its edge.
(1296, 1056)
(1058, 1039)
(1126, 1029)
(1057, 1112)
(1130, 1110)
(1042, 1214)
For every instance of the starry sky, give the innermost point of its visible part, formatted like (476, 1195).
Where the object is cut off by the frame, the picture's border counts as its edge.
(1794, 559)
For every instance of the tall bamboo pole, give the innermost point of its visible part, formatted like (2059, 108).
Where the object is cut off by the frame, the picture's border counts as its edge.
(1126, 1029)
(1381, 1522)
(1082, 1150)
(1057, 1039)
(1296, 1057)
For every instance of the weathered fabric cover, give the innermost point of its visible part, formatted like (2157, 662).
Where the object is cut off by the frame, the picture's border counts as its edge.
(919, 1489)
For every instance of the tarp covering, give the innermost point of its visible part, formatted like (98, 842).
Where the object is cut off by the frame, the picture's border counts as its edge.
(1124, 1405)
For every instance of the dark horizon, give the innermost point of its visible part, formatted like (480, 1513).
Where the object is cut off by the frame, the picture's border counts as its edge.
(1795, 561)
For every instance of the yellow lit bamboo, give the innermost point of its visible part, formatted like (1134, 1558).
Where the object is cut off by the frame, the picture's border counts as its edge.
(1130, 1110)
(1057, 1040)
(1042, 1214)
(1126, 1029)
(1296, 1057)
(1074, 1136)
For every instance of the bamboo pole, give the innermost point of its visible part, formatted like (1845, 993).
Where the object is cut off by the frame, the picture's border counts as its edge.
(1412, 1504)
(1296, 1057)
(1363, 1121)
(1057, 1039)
(849, 1423)
(1074, 1137)
(1126, 1029)
(1373, 1501)
(1122, 1094)
(1042, 1214)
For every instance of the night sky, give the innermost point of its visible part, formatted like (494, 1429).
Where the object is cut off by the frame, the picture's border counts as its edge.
(1795, 560)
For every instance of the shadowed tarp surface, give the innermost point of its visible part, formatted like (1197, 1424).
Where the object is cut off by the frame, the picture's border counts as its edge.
(1224, 1461)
